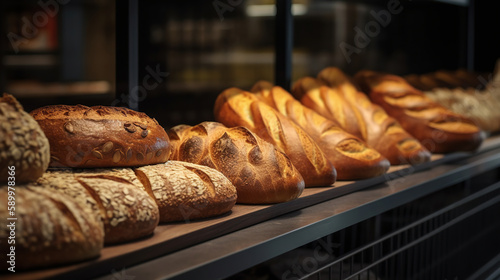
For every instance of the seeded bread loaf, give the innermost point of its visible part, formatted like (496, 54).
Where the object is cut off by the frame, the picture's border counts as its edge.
(235, 107)
(22, 143)
(438, 128)
(354, 112)
(349, 154)
(101, 136)
(127, 212)
(50, 229)
(181, 191)
(186, 191)
(260, 173)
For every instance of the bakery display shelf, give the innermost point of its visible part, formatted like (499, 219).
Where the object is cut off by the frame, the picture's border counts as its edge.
(174, 237)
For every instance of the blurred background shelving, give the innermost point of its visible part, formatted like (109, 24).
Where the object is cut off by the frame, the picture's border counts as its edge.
(199, 48)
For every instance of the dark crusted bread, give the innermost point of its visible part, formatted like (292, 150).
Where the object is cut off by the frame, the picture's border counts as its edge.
(101, 136)
(22, 143)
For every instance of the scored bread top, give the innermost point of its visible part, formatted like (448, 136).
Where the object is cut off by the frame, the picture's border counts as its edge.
(258, 170)
(350, 156)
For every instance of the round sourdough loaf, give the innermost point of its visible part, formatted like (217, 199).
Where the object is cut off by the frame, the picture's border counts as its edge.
(51, 229)
(22, 143)
(127, 212)
(101, 136)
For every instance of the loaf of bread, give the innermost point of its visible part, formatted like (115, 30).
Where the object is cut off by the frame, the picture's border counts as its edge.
(353, 112)
(437, 128)
(179, 191)
(50, 229)
(101, 136)
(22, 143)
(260, 173)
(186, 191)
(350, 155)
(127, 212)
(235, 107)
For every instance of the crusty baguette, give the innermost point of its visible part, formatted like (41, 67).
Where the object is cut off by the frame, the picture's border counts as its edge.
(439, 129)
(101, 136)
(350, 155)
(357, 115)
(260, 173)
(235, 107)
(50, 229)
(127, 212)
(22, 143)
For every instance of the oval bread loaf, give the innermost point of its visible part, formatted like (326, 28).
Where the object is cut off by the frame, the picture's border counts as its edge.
(235, 107)
(127, 212)
(260, 173)
(51, 229)
(351, 157)
(186, 191)
(22, 143)
(101, 136)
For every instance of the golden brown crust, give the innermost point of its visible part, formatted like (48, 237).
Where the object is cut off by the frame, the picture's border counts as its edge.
(260, 173)
(51, 229)
(101, 136)
(127, 212)
(23, 144)
(186, 191)
(350, 156)
(235, 107)
(353, 111)
(439, 129)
